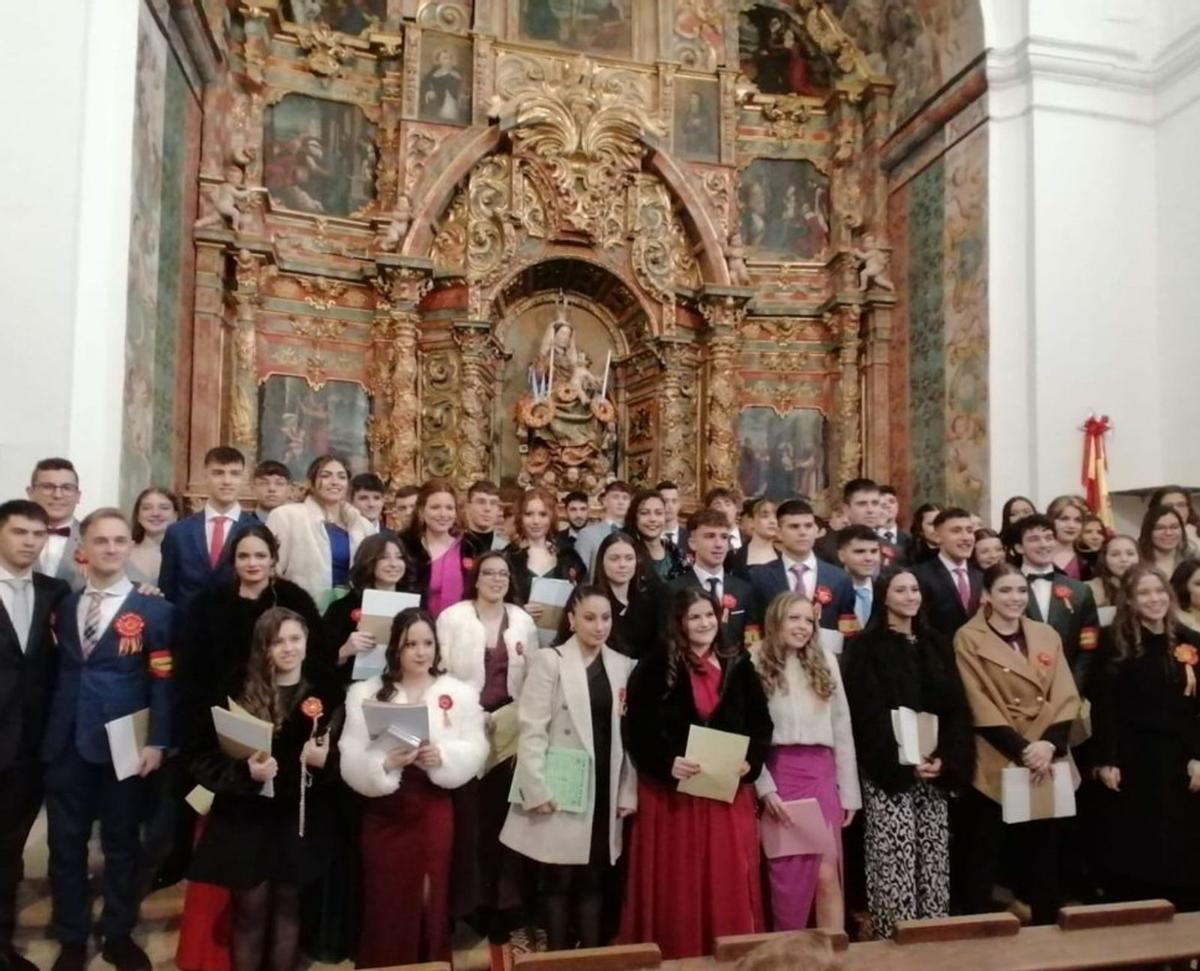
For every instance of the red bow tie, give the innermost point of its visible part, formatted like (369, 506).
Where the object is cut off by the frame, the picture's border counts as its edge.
(60, 531)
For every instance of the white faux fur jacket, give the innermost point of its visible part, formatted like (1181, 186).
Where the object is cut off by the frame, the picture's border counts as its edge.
(457, 731)
(304, 554)
(463, 642)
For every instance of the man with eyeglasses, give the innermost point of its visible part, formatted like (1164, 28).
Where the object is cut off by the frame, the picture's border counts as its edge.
(54, 486)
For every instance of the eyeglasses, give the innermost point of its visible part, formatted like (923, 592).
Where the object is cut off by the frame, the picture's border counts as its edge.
(493, 574)
(50, 489)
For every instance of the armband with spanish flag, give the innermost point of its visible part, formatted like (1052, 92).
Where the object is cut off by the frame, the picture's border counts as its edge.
(1089, 637)
(848, 625)
(160, 664)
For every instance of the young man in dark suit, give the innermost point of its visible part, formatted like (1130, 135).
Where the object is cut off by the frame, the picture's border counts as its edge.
(798, 568)
(54, 486)
(27, 660)
(576, 506)
(272, 484)
(675, 530)
(860, 504)
(894, 541)
(195, 550)
(1055, 599)
(951, 583)
(708, 537)
(483, 512)
(368, 495)
(114, 659)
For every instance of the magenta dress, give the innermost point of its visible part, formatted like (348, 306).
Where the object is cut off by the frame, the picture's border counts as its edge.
(445, 580)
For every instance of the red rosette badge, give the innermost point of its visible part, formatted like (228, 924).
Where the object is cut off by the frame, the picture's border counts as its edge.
(1063, 593)
(129, 628)
(823, 596)
(728, 602)
(356, 615)
(312, 708)
(1045, 659)
(1187, 655)
(445, 702)
(468, 563)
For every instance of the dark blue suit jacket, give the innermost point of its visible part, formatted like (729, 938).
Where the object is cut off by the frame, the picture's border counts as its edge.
(109, 684)
(186, 570)
(771, 579)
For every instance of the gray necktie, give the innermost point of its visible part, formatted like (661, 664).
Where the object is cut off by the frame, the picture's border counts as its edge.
(22, 607)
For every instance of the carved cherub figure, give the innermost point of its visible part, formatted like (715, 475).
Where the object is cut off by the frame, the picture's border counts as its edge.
(230, 200)
(393, 235)
(735, 259)
(875, 261)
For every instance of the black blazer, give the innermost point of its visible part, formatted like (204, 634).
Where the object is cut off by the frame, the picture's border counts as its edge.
(659, 717)
(939, 596)
(568, 567)
(744, 610)
(638, 626)
(883, 670)
(27, 677)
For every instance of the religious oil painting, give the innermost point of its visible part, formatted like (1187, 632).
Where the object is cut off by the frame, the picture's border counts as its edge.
(319, 156)
(352, 17)
(591, 26)
(697, 120)
(446, 79)
(777, 55)
(784, 209)
(781, 455)
(298, 424)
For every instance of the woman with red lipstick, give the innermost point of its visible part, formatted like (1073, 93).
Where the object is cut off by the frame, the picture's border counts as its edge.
(434, 541)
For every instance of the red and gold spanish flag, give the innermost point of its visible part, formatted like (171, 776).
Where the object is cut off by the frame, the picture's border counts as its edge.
(1095, 467)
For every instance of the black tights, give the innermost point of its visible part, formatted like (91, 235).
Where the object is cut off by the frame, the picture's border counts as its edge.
(273, 906)
(573, 897)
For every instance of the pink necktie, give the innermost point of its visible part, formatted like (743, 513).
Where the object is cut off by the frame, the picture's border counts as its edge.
(218, 541)
(964, 588)
(798, 570)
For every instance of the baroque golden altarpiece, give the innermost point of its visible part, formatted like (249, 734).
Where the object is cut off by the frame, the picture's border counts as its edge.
(553, 242)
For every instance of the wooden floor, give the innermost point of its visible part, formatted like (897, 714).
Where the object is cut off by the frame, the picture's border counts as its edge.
(158, 929)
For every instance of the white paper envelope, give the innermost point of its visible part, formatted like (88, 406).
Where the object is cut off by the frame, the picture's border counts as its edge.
(381, 716)
(720, 756)
(1107, 615)
(807, 835)
(200, 799)
(1022, 802)
(379, 609)
(241, 735)
(830, 640)
(916, 734)
(126, 738)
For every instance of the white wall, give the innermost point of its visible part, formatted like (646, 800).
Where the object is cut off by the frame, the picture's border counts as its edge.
(1094, 225)
(64, 227)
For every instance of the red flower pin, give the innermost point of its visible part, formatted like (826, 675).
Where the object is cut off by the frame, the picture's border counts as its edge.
(468, 563)
(356, 615)
(823, 596)
(445, 702)
(728, 602)
(80, 557)
(1063, 592)
(1044, 659)
(129, 628)
(312, 708)
(1186, 654)
(572, 574)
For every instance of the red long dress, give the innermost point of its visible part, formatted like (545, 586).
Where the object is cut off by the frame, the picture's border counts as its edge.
(407, 838)
(693, 862)
(204, 929)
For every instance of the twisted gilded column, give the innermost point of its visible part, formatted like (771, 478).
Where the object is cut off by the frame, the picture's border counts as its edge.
(394, 432)
(242, 401)
(677, 415)
(724, 312)
(477, 350)
(845, 323)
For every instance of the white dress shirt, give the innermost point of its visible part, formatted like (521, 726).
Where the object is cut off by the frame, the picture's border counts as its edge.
(672, 534)
(7, 595)
(110, 603)
(810, 575)
(801, 718)
(1040, 590)
(704, 576)
(232, 515)
(52, 554)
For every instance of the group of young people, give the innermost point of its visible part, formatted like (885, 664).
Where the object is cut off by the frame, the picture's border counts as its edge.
(1046, 645)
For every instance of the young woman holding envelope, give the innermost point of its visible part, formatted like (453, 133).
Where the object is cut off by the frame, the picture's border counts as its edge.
(257, 846)
(1146, 716)
(408, 819)
(811, 757)
(380, 563)
(1023, 700)
(485, 643)
(693, 861)
(535, 550)
(898, 662)
(571, 708)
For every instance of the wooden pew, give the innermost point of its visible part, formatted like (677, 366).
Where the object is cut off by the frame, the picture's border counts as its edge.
(621, 957)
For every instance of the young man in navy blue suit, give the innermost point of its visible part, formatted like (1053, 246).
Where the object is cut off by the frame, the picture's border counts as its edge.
(195, 550)
(114, 659)
(798, 568)
(27, 660)
(708, 539)
(951, 583)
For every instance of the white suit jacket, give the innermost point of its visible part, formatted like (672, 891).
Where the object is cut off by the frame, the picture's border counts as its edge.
(304, 554)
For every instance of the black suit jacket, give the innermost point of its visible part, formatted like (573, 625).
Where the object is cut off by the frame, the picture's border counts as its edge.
(742, 612)
(27, 677)
(939, 596)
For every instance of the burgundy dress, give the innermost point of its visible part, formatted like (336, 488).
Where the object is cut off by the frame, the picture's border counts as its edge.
(693, 862)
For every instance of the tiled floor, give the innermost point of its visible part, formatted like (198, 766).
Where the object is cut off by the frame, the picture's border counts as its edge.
(158, 929)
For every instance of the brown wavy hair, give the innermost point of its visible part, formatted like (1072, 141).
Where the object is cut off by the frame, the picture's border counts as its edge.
(259, 695)
(679, 651)
(1109, 580)
(773, 653)
(551, 504)
(1127, 626)
(428, 490)
(404, 621)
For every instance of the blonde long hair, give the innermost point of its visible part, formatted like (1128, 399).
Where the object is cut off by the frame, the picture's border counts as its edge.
(773, 652)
